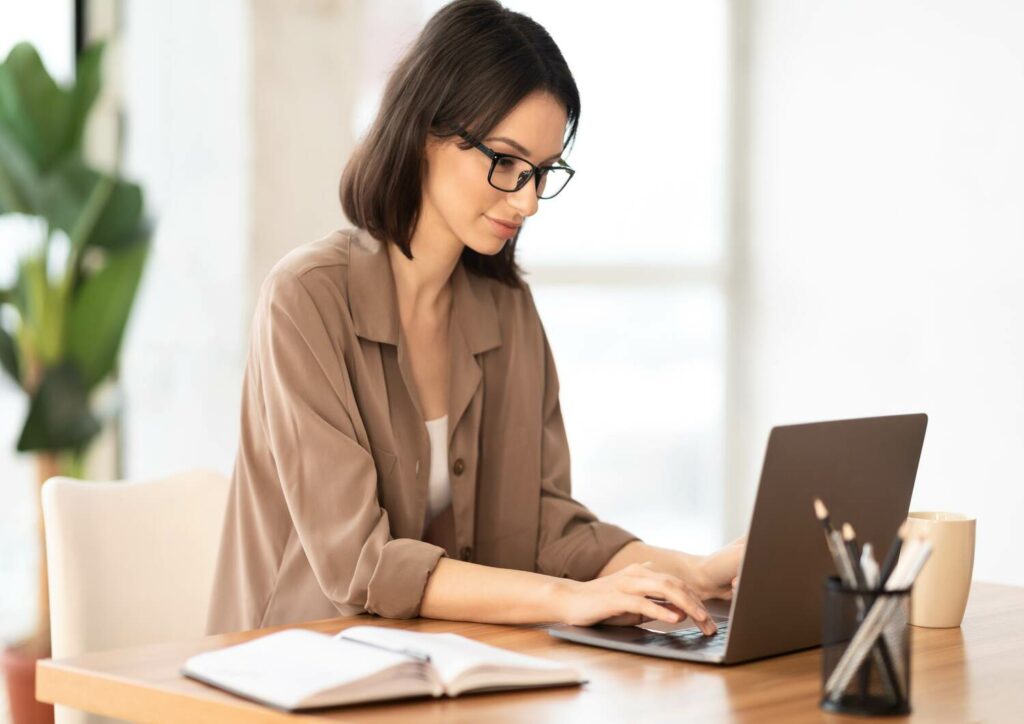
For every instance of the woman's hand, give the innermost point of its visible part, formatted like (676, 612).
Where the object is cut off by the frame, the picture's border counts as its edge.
(624, 598)
(718, 573)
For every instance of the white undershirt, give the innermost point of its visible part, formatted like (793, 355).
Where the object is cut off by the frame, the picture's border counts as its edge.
(440, 484)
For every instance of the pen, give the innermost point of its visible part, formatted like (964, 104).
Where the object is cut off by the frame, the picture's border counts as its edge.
(413, 653)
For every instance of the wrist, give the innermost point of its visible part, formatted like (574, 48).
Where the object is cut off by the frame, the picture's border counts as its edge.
(700, 576)
(556, 593)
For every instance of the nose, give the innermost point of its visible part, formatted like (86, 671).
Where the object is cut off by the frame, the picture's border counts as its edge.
(525, 199)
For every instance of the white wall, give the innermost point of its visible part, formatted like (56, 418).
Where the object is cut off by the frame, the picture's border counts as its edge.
(886, 239)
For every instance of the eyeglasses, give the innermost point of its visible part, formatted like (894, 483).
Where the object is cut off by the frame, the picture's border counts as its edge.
(511, 173)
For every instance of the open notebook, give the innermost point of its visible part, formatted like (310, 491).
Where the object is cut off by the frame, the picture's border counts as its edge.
(300, 669)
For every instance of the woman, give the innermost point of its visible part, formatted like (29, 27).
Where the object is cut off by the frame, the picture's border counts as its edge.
(402, 448)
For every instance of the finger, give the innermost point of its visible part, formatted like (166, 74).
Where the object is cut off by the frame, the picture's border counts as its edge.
(687, 600)
(671, 607)
(651, 609)
(673, 590)
(708, 630)
(631, 604)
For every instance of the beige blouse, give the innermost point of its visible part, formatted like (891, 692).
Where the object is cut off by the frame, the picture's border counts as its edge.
(328, 501)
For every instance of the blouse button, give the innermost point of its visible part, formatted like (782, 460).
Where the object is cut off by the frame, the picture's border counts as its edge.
(466, 553)
(458, 467)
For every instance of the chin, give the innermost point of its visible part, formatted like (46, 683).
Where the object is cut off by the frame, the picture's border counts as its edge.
(485, 242)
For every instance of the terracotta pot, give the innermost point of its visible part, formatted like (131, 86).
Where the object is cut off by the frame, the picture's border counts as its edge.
(19, 664)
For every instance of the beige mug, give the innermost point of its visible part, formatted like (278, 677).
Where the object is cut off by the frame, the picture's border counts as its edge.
(939, 595)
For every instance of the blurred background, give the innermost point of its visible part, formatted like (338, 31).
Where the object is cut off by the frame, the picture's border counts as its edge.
(784, 211)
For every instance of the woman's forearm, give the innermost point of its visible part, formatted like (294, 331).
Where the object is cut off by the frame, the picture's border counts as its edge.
(462, 591)
(686, 566)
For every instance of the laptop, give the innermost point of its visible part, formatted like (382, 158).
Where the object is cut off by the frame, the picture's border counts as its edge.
(863, 469)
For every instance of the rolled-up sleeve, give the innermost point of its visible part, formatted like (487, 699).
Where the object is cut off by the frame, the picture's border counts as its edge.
(328, 479)
(573, 542)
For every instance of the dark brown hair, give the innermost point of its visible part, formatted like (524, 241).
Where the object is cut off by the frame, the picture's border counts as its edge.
(472, 63)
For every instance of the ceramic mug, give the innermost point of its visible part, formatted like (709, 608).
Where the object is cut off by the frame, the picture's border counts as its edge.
(940, 592)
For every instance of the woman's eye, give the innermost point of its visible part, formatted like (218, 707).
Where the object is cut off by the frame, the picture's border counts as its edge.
(506, 162)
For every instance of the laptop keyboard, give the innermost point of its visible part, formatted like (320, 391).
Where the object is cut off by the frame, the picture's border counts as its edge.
(687, 638)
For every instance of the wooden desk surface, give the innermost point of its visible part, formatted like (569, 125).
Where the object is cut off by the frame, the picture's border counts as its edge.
(972, 673)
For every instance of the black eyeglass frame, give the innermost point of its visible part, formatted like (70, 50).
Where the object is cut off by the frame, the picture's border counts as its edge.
(496, 156)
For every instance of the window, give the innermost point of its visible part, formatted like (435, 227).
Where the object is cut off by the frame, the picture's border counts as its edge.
(628, 269)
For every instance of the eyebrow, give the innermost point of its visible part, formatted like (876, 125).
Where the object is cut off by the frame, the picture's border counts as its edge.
(521, 149)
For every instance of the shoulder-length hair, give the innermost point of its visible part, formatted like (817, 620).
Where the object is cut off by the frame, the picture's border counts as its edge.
(472, 63)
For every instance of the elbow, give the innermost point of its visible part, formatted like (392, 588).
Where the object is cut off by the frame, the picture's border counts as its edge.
(395, 590)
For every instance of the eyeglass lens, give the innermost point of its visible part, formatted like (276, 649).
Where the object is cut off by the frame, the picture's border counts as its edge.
(509, 174)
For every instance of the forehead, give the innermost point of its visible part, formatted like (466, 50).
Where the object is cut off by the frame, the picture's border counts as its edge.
(536, 122)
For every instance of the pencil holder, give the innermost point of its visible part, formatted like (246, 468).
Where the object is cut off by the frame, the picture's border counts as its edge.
(865, 650)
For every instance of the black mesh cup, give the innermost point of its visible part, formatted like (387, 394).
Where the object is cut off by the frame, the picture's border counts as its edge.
(865, 650)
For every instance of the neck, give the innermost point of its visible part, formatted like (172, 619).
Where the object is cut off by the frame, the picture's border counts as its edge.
(422, 282)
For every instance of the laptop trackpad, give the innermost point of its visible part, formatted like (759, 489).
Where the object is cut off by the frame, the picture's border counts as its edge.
(718, 609)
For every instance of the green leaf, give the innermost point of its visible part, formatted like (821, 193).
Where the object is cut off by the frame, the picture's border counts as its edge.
(42, 307)
(59, 417)
(85, 90)
(9, 356)
(41, 126)
(100, 311)
(19, 180)
(36, 111)
(93, 208)
(117, 226)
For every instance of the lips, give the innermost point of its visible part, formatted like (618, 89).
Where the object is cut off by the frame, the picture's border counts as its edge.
(503, 229)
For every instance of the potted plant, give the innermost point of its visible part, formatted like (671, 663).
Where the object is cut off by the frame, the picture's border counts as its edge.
(63, 318)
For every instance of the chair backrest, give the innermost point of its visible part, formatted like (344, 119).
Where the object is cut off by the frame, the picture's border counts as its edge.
(130, 563)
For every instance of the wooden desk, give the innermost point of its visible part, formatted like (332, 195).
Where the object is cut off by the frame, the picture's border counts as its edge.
(972, 673)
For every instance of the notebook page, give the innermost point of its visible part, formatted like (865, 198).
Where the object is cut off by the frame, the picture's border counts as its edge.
(451, 654)
(287, 667)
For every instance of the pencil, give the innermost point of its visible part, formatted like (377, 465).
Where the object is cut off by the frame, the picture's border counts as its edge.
(894, 552)
(821, 512)
(850, 540)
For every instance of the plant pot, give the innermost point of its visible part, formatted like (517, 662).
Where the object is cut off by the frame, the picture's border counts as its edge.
(19, 664)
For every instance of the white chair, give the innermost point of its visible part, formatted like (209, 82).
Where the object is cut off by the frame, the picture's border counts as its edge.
(129, 563)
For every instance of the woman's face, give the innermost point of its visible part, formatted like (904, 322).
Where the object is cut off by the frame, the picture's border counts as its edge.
(456, 185)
